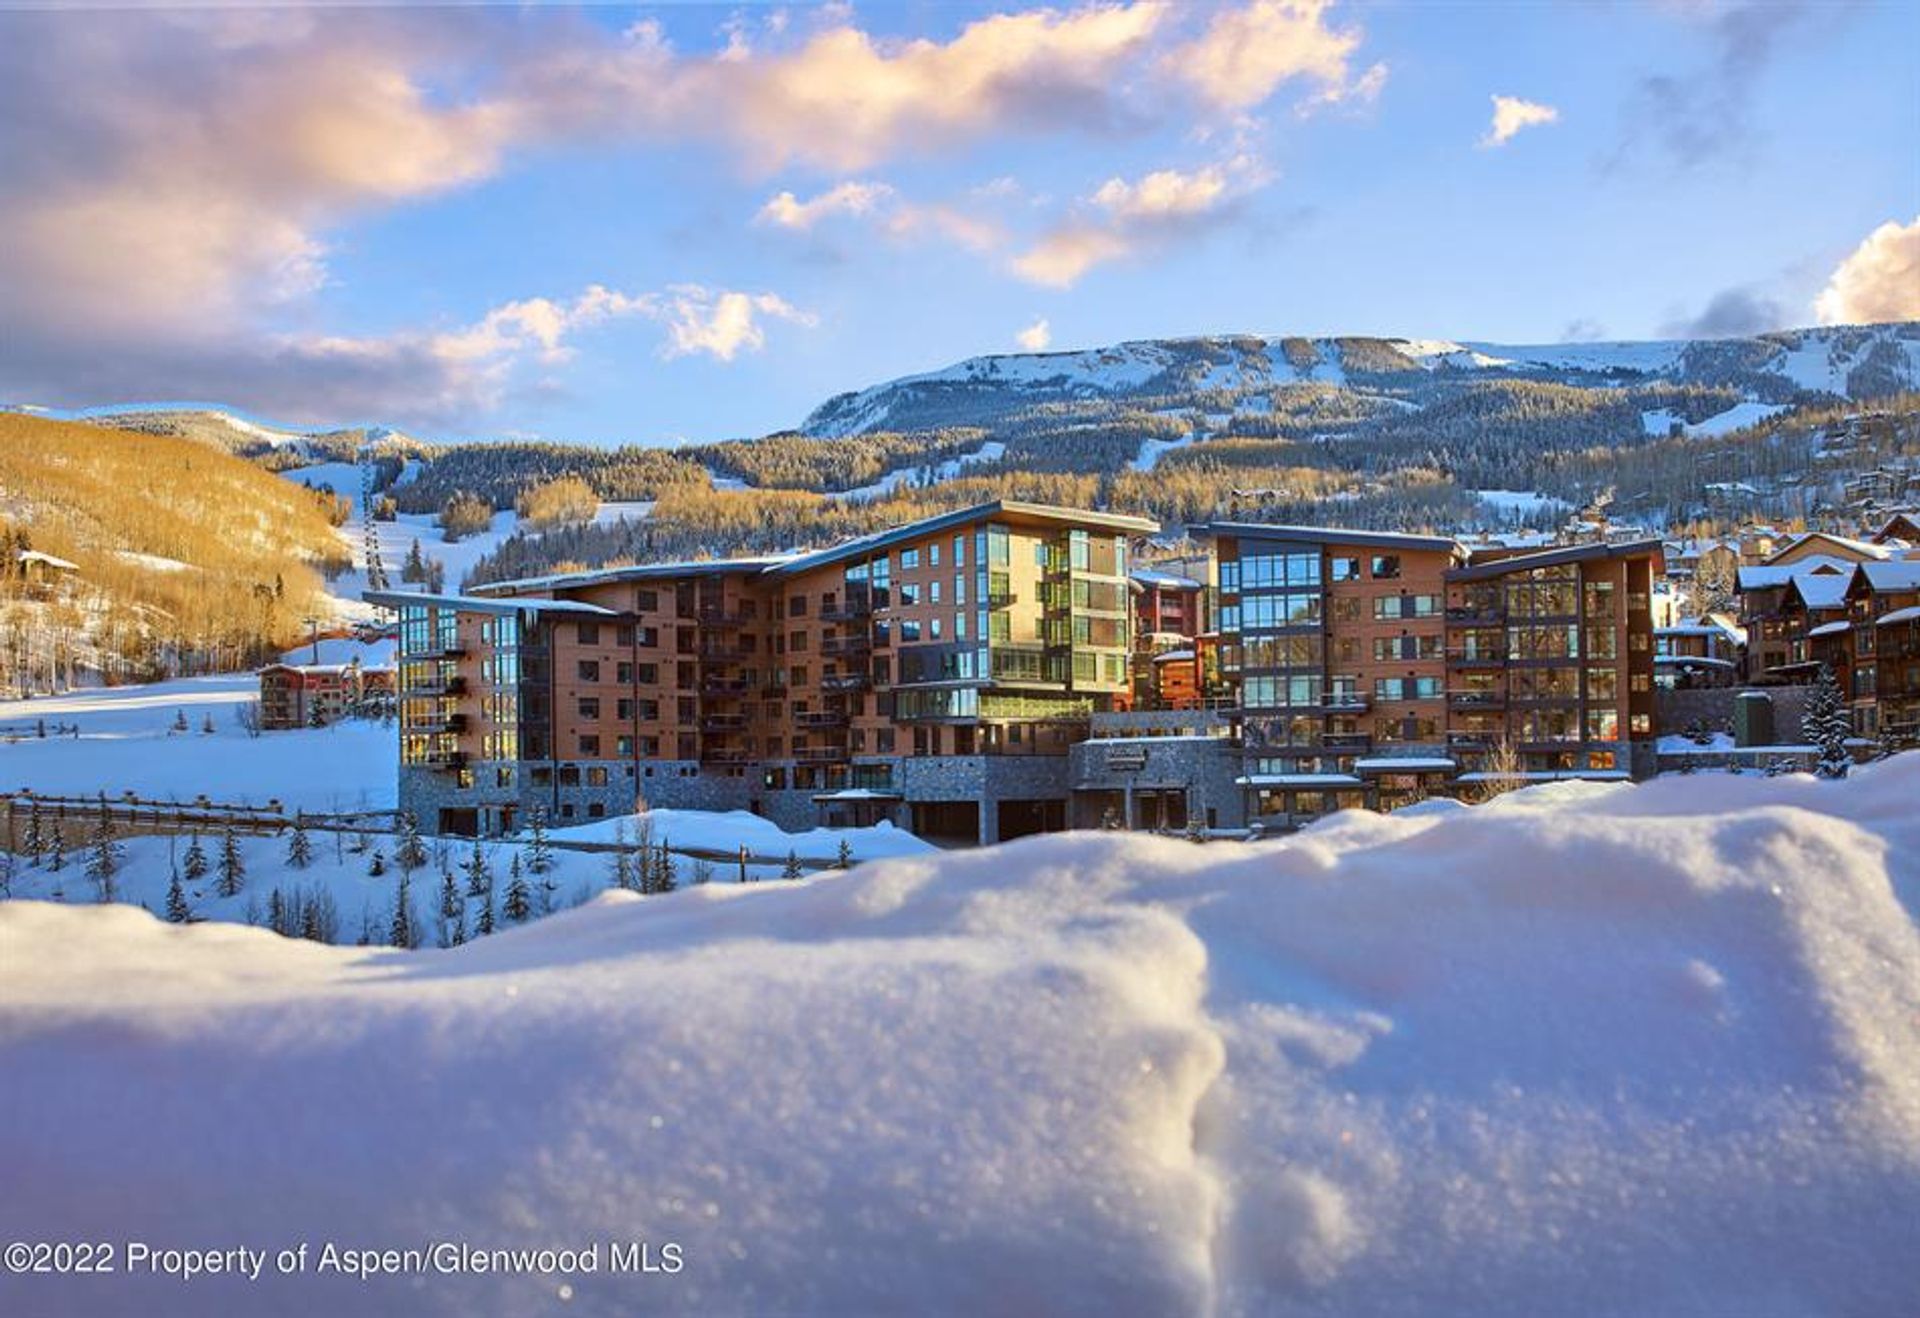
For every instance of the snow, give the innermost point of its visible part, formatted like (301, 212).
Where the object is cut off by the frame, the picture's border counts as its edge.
(910, 477)
(1520, 503)
(1899, 615)
(1737, 417)
(153, 562)
(728, 830)
(1651, 1045)
(127, 743)
(1152, 450)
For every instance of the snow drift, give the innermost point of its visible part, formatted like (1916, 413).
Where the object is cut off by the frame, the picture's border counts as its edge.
(1611, 1050)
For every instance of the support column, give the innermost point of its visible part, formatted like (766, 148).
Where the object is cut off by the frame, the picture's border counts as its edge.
(989, 821)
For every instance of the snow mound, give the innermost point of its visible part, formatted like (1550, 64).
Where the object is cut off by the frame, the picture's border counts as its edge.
(1655, 1047)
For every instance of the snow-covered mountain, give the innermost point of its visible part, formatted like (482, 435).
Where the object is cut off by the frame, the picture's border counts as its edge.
(1792, 366)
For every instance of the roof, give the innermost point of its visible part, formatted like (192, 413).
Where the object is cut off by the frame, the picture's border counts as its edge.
(1823, 591)
(1900, 615)
(1010, 509)
(1165, 580)
(1761, 576)
(1171, 656)
(1831, 628)
(1330, 535)
(46, 560)
(1297, 780)
(1691, 660)
(399, 599)
(1898, 574)
(1866, 549)
(1406, 764)
(1593, 552)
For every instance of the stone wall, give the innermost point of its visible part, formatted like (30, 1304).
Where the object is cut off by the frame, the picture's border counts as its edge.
(1676, 711)
(1205, 767)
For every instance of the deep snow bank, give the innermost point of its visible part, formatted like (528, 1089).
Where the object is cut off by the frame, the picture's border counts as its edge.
(1600, 1050)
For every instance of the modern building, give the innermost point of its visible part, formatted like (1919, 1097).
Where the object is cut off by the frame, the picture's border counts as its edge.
(310, 695)
(934, 674)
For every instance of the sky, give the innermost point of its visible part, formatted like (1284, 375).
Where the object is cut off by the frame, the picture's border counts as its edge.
(693, 222)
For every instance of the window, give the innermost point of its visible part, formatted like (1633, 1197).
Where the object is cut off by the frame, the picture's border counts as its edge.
(588, 632)
(590, 707)
(909, 595)
(933, 592)
(646, 601)
(589, 743)
(933, 554)
(797, 607)
(959, 551)
(1386, 567)
(909, 559)
(597, 775)
(1344, 569)
(589, 670)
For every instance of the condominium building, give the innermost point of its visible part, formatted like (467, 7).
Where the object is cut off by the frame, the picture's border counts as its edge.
(933, 674)
(1376, 669)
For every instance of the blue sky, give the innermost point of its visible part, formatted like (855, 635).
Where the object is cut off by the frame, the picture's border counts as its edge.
(697, 222)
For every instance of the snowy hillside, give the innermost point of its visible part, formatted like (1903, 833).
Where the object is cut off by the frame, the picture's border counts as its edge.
(1851, 362)
(1609, 1049)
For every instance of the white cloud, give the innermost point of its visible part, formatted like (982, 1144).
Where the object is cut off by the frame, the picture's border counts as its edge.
(718, 322)
(1511, 114)
(1246, 53)
(1148, 212)
(849, 198)
(1879, 281)
(1035, 337)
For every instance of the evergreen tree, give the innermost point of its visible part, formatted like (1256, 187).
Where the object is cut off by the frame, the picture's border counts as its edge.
(539, 855)
(450, 905)
(277, 912)
(299, 845)
(843, 856)
(400, 931)
(310, 928)
(666, 874)
(103, 857)
(377, 863)
(792, 868)
(179, 720)
(57, 853)
(194, 864)
(479, 873)
(410, 853)
(33, 842)
(620, 868)
(1827, 726)
(206, 725)
(519, 901)
(177, 909)
(483, 923)
(233, 870)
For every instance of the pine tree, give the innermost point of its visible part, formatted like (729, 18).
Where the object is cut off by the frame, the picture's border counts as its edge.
(194, 864)
(450, 904)
(377, 863)
(299, 845)
(310, 922)
(479, 873)
(180, 720)
(33, 843)
(620, 868)
(666, 875)
(277, 912)
(400, 931)
(57, 853)
(539, 856)
(103, 859)
(410, 853)
(519, 901)
(206, 725)
(792, 868)
(177, 909)
(843, 856)
(233, 870)
(483, 923)
(1827, 726)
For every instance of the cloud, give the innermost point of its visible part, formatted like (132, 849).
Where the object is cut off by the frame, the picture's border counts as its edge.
(1879, 281)
(1583, 329)
(849, 198)
(1246, 53)
(1511, 114)
(1148, 213)
(1706, 113)
(1731, 313)
(718, 322)
(1035, 337)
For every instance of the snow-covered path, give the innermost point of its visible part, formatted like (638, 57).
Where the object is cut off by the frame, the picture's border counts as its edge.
(1614, 1050)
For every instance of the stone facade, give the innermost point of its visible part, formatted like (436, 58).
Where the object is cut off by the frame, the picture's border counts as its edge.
(1113, 777)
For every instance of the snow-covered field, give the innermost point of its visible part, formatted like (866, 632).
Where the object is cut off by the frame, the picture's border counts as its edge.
(128, 741)
(1598, 1049)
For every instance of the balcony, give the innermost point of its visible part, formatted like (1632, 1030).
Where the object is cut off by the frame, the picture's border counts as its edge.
(1476, 699)
(725, 686)
(857, 643)
(440, 723)
(1001, 599)
(820, 754)
(722, 722)
(850, 610)
(845, 682)
(724, 755)
(1483, 615)
(724, 654)
(722, 617)
(821, 718)
(452, 686)
(1347, 741)
(1476, 658)
(1471, 740)
(1348, 702)
(445, 759)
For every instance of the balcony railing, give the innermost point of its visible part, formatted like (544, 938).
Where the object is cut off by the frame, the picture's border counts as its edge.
(821, 718)
(1476, 658)
(725, 686)
(722, 722)
(722, 617)
(1489, 614)
(845, 682)
(724, 654)
(444, 759)
(1476, 699)
(857, 643)
(1349, 701)
(1357, 741)
(848, 611)
(820, 754)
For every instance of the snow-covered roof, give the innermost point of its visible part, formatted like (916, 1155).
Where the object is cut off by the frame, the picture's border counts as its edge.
(1900, 615)
(1831, 628)
(1406, 764)
(1759, 576)
(1326, 780)
(1898, 574)
(1693, 660)
(1165, 580)
(46, 560)
(1172, 656)
(1823, 591)
(1865, 548)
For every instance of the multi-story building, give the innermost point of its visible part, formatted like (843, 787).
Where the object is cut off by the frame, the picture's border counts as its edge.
(309, 695)
(933, 674)
(1376, 669)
